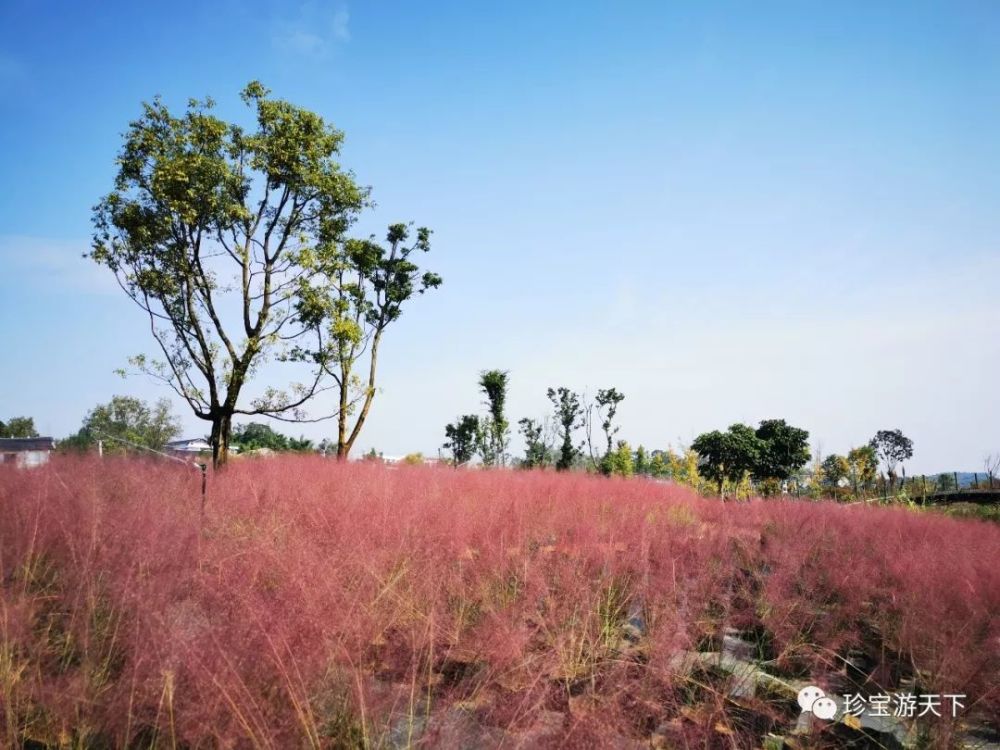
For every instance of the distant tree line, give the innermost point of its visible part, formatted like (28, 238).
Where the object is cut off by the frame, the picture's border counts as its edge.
(549, 442)
(581, 433)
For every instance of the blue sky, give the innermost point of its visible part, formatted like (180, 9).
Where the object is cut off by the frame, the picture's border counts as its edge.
(729, 211)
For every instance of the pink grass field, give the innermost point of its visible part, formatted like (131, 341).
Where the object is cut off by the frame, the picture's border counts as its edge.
(326, 604)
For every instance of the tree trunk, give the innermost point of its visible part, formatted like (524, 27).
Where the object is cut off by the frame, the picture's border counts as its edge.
(221, 426)
(342, 446)
(345, 443)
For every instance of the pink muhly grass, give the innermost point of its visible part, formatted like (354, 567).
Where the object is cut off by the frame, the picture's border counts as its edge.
(326, 604)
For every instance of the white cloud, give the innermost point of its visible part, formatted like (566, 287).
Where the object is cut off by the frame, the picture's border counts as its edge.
(314, 31)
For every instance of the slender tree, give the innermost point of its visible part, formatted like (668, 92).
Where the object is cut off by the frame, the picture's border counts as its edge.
(462, 438)
(353, 297)
(493, 384)
(604, 409)
(537, 450)
(642, 461)
(569, 417)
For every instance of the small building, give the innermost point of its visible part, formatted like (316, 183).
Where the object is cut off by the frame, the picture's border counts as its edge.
(191, 445)
(26, 452)
(194, 446)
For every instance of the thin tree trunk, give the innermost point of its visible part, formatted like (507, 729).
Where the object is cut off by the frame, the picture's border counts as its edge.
(344, 446)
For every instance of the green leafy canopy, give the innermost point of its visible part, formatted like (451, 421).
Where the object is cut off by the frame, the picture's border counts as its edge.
(234, 241)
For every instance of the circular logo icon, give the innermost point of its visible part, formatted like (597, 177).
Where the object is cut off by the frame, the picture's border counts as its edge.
(808, 696)
(824, 708)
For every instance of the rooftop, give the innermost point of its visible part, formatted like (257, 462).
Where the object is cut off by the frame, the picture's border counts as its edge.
(23, 445)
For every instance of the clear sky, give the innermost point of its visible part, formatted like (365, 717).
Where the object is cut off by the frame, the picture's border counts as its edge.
(729, 211)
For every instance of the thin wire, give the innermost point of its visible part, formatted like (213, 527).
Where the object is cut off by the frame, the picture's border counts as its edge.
(147, 448)
(202, 467)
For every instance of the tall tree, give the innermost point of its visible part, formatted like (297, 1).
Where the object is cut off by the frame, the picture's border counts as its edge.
(18, 427)
(569, 417)
(728, 455)
(370, 283)
(712, 450)
(784, 450)
(642, 461)
(891, 447)
(463, 438)
(604, 409)
(126, 424)
(493, 384)
(234, 244)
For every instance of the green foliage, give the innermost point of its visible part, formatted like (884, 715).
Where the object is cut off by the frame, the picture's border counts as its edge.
(463, 437)
(618, 462)
(771, 454)
(537, 451)
(413, 459)
(785, 450)
(129, 420)
(18, 427)
(255, 436)
(834, 468)
(351, 298)
(683, 467)
(606, 407)
(891, 447)
(970, 510)
(569, 417)
(728, 455)
(862, 466)
(659, 465)
(234, 243)
(642, 464)
(493, 384)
